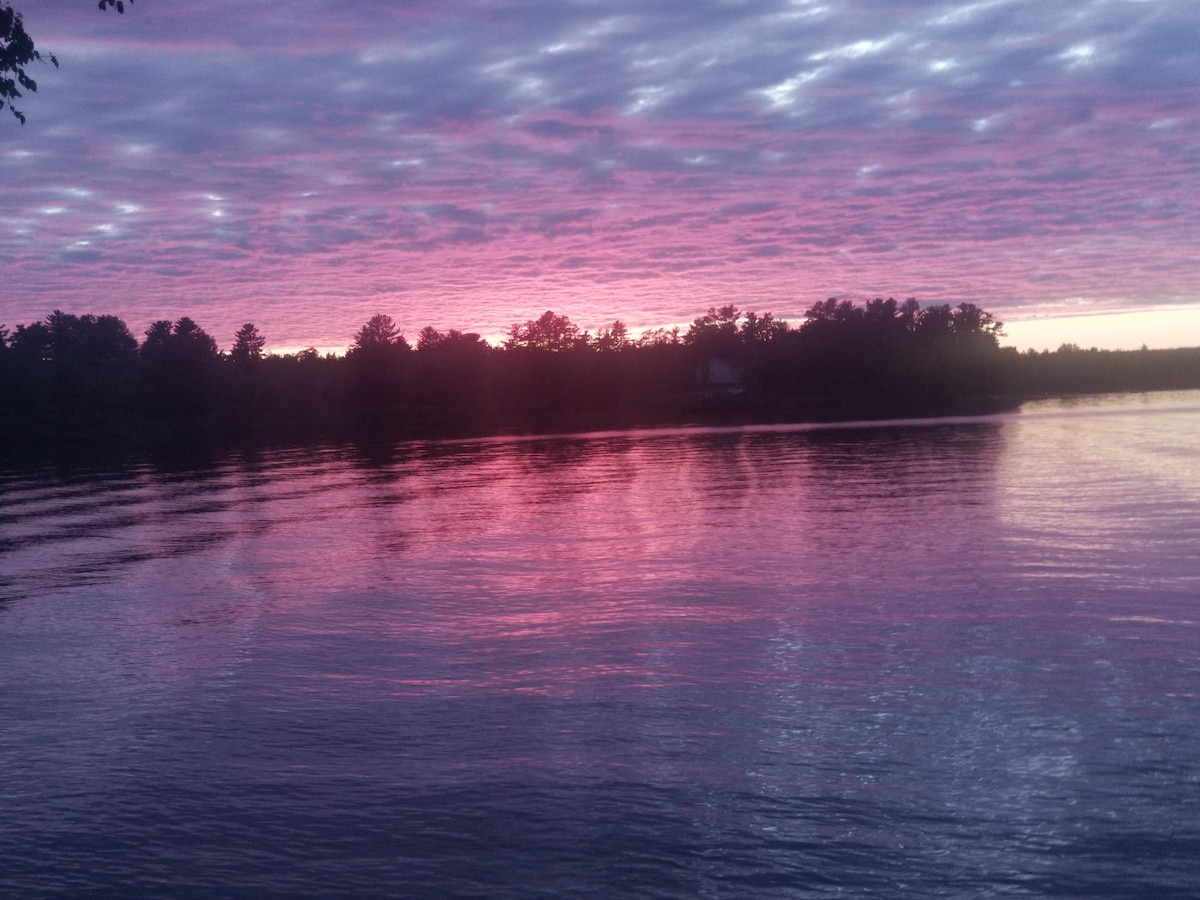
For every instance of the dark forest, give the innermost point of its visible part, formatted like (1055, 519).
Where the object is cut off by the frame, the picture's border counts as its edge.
(86, 378)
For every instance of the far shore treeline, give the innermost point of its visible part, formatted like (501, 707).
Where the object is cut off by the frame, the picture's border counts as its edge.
(84, 378)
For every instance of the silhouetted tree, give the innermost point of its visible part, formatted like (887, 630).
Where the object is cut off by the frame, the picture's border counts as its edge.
(248, 345)
(89, 339)
(968, 321)
(245, 394)
(73, 361)
(888, 352)
(429, 338)
(715, 334)
(190, 341)
(17, 52)
(157, 340)
(757, 330)
(881, 318)
(179, 368)
(379, 333)
(934, 322)
(30, 343)
(907, 313)
(450, 373)
(885, 357)
(659, 337)
(90, 358)
(614, 338)
(26, 372)
(377, 363)
(828, 314)
(548, 332)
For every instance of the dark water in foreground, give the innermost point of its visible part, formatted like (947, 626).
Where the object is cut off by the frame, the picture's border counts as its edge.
(922, 660)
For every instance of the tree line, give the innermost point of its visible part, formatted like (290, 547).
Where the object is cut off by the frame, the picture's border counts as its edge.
(88, 375)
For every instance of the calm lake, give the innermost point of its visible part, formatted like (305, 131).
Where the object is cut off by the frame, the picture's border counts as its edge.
(908, 660)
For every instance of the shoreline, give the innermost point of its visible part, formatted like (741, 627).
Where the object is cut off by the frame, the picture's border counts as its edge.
(99, 438)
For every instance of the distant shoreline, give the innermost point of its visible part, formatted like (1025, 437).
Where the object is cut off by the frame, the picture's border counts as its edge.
(99, 438)
(85, 386)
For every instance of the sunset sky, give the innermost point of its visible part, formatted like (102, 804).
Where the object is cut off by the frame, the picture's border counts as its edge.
(472, 163)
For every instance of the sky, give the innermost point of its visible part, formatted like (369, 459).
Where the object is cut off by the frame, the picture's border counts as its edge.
(470, 164)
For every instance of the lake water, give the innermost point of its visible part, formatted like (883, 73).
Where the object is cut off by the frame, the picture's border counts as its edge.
(905, 660)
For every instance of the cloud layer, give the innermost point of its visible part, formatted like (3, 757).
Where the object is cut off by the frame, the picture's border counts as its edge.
(471, 164)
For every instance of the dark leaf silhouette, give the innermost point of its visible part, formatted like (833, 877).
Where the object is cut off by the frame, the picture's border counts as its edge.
(17, 52)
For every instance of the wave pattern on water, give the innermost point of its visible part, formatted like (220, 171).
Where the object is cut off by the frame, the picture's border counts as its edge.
(933, 659)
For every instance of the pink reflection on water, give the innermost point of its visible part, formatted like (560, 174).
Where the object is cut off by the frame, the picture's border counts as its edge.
(571, 564)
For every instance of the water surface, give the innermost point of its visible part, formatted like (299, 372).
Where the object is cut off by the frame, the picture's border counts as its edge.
(922, 659)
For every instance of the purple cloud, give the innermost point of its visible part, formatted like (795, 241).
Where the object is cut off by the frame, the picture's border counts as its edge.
(471, 164)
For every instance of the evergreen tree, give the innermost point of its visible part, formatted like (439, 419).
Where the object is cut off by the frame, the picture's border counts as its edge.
(248, 345)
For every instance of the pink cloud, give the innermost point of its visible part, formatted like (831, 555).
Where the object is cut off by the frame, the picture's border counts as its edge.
(466, 169)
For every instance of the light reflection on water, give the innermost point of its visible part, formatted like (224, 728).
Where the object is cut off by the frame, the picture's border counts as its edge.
(930, 659)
